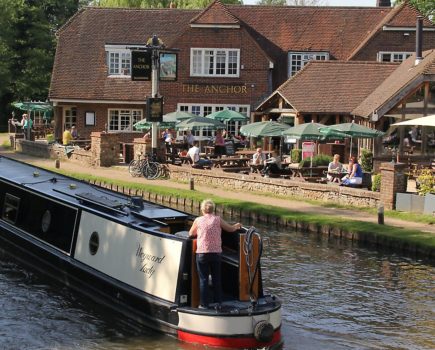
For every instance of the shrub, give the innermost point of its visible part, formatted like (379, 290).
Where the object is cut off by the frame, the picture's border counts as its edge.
(319, 160)
(366, 160)
(376, 183)
(296, 155)
(426, 182)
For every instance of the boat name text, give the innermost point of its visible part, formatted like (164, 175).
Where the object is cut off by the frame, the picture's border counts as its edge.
(147, 260)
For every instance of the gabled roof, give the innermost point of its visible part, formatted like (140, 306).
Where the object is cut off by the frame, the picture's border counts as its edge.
(404, 79)
(80, 63)
(400, 16)
(334, 87)
(215, 14)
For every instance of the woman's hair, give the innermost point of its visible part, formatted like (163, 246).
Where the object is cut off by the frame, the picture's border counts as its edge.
(354, 160)
(207, 206)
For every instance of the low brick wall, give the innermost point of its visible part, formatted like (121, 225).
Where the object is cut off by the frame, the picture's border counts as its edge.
(285, 187)
(37, 149)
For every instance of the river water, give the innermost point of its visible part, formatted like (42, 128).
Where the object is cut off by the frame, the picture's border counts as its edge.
(336, 295)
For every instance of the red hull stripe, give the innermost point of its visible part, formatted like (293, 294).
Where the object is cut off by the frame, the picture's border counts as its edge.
(239, 342)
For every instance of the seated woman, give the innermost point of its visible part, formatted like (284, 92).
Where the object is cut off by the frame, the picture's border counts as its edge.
(356, 174)
(335, 168)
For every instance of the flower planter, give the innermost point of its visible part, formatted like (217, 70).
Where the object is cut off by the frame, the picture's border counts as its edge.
(410, 202)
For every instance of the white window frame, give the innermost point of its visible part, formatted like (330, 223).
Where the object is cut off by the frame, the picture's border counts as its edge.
(118, 60)
(394, 56)
(298, 59)
(126, 118)
(69, 117)
(214, 62)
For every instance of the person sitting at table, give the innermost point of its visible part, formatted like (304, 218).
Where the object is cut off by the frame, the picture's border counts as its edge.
(334, 167)
(272, 166)
(258, 160)
(356, 174)
(193, 153)
(74, 132)
(219, 144)
(188, 139)
(67, 136)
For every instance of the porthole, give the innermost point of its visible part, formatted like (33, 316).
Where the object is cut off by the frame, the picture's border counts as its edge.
(94, 243)
(46, 221)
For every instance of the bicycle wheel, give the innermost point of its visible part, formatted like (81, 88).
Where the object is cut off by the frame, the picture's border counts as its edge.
(150, 170)
(134, 168)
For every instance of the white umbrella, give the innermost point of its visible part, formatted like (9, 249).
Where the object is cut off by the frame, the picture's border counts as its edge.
(423, 121)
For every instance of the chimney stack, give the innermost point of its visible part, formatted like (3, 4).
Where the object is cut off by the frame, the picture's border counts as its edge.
(383, 3)
(419, 40)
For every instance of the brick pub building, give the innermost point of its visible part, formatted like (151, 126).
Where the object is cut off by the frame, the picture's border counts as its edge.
(230, 56)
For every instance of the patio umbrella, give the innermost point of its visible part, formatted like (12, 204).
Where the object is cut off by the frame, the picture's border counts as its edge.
(33, 106)
(197, 122)
(423, 121)
(227, 115)
(177, 116)
(145, 125)
(354, 131)
(259, 129)
(169, 120)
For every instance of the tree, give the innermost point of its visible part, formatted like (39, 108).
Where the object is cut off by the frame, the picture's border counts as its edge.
(159, 4)
(27, 46)
(305, 2)
(426, 7)
(272, 2)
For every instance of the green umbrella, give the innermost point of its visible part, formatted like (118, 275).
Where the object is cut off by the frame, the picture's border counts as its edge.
(354, 131)
(177, 116)
(306, 131)
(145, 125)
(227, 114)
(197, 122)
(33, 106)
(259, 129)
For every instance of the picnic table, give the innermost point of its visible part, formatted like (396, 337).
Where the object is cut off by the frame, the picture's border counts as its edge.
(306, 173)
(228, 162)
(251, 152)
(336, 176)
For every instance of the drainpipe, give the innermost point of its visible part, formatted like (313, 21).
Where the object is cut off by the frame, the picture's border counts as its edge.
(419, 40)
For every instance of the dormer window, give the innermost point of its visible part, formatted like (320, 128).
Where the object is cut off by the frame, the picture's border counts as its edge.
(384, 56)
(297, 60)
(214, 62)
(118, 60)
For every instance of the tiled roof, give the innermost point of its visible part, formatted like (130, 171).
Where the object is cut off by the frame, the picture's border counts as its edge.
(333, 86)
(335, 29)
(404, 75)
(80, 62)
(216, 13)
(80, 71)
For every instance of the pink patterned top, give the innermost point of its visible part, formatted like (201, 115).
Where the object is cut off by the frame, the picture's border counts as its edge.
(209, 234)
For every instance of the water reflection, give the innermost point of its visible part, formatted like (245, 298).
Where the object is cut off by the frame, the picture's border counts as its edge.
(341, 296)
(336, 295)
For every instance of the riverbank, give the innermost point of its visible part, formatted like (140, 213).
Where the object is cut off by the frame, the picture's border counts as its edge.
(411, 237)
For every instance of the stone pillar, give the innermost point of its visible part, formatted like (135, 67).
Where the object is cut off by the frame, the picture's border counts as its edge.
(393, 180)
(141, 146)
(104, 148)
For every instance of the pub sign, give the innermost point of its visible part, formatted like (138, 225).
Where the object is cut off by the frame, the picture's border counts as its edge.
(154, 109)
(141, 65)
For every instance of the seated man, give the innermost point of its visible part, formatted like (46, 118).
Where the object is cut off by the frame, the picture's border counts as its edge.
(335, 168)
(193, 153)
(67, 137)
(258, 160)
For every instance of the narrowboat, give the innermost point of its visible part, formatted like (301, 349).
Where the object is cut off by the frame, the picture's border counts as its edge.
(135, 257)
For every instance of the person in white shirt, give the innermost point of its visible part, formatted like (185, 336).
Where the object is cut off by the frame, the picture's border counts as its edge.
(193, 153)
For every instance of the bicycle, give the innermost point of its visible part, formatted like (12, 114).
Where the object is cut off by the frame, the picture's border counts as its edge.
(143, 166)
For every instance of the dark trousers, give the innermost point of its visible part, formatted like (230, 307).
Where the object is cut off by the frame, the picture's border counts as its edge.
(209, 263)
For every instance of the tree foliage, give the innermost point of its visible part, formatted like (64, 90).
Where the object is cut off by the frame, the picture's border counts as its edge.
(426, 7)
(159, 4)
(27, 46)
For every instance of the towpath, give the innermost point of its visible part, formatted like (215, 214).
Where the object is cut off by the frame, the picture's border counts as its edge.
(121, 173)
